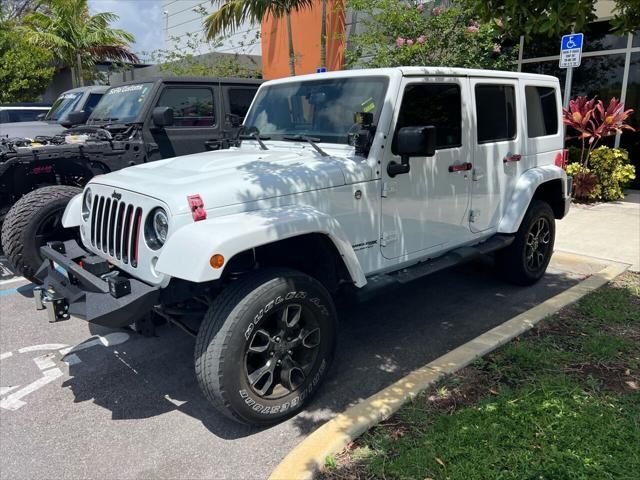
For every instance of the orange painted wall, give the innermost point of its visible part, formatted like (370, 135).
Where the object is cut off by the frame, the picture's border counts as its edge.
(305, 26)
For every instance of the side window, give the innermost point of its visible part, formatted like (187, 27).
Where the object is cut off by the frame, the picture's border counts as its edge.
(495, 113)
(240, 99)
(439, 105)
(192, 107)
(542, 111)
(92, 101)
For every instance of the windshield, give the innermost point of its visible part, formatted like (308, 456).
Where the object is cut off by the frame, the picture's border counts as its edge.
(64, 104)
(320, 108)
(121, 104)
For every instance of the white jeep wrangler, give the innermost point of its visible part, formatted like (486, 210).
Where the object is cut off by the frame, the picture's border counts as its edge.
(344, 179)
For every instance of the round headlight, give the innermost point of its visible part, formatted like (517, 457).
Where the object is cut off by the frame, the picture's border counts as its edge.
(156, 228)
(87, 202)
(160, 225)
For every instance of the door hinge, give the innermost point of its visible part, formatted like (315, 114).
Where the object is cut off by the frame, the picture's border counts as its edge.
(474, 215)
(389, 188)
(389, 237)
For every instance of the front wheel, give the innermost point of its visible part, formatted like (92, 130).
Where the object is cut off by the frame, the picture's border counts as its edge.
(526, 259)
(265, 345)
(33, 221)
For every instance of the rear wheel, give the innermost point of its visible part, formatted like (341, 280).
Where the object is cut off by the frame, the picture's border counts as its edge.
(526, 259)
(265, 345)
(33, 221)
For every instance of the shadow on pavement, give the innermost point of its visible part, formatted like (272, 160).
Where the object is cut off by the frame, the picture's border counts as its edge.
(380, 341)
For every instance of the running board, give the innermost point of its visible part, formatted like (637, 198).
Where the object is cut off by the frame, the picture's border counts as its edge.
(427, 267)
(454, 257)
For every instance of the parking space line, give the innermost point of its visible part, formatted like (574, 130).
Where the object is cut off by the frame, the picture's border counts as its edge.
(13, 280)
(5, 355)
(44, 346)
(14, 402)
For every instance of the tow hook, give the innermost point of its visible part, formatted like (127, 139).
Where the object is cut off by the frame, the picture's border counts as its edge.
(56, 305)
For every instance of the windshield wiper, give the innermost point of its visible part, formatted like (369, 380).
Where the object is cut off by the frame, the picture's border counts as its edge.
(310, 140)
(255, 136)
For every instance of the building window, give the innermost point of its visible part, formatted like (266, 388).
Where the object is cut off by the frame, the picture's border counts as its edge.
(192, 107)
(439, 105)
(599, 76)
(495, 113)
(598, 37)
(542, 114)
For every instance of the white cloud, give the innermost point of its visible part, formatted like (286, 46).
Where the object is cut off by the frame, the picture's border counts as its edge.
(142, 18)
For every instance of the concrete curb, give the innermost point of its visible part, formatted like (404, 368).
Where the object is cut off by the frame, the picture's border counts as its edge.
(308, 457)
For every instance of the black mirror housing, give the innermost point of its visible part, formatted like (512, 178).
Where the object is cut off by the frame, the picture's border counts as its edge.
(416, 141)
(162, 116)
(412, 142)
(77, 117)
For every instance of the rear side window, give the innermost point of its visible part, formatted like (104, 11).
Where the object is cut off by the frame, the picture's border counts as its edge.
(495, 113)
(542, 111)
(439, 105)
(192, 107)
(240, 100)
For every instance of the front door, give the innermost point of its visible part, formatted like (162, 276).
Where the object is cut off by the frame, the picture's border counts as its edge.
(427, 207)
(497, 155)
(196, 122)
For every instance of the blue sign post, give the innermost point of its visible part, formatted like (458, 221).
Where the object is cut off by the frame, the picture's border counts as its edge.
(571, 50)
(570, 58)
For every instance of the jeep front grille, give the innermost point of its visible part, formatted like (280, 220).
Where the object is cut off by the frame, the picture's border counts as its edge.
(115, 228)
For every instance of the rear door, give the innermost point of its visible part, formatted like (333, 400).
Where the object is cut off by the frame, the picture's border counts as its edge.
(498, 137)
(196, 119)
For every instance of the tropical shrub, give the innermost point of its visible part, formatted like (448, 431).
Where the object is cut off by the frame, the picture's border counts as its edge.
(608, 173)
(413, 32)
(590, 121)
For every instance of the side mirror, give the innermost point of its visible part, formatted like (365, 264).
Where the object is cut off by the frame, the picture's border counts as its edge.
(234, 120)
(412, 142)
(41, 116)
(162, 116)
(77, 117)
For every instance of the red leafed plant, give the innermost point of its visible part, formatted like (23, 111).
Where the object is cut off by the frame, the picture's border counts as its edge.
(593, 122)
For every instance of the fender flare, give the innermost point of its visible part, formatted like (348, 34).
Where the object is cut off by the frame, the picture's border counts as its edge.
(187, 252)
(524, 191)
(72, 216)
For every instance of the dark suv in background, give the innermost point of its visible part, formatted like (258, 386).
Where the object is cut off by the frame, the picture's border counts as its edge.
(134, 122)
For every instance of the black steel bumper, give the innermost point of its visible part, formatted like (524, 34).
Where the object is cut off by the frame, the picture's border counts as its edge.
(567, 199)
(82, 294)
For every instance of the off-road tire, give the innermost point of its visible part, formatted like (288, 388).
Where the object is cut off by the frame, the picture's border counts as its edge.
(229, 326)
(512, 261)
(22, 222)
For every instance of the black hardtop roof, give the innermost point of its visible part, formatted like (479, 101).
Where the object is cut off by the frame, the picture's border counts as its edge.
(212, 80)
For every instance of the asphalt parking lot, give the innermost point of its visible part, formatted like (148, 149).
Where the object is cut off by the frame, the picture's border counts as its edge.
(128, 407)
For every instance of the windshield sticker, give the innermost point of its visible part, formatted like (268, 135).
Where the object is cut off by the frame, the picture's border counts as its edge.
(368, 105)
(127, 88)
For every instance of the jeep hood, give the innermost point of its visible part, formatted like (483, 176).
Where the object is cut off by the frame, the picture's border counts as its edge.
(236, 176)
(30, 129)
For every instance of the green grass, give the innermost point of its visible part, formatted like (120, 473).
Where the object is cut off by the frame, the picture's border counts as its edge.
(559, 403)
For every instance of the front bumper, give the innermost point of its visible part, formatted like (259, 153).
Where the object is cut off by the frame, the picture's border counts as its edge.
(68, 289)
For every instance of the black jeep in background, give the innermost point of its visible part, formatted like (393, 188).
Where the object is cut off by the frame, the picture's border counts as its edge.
(135, 122)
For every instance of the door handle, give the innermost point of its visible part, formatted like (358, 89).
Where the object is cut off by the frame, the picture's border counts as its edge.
(515, 157)
(461, 167)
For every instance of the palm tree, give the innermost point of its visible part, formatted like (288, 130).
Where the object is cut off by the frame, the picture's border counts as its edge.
(235, 13)
(75, 37)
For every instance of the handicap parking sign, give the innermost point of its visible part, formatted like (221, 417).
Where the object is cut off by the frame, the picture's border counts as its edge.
(571, 50)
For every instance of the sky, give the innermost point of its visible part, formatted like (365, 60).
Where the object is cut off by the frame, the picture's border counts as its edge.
(142, 18)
